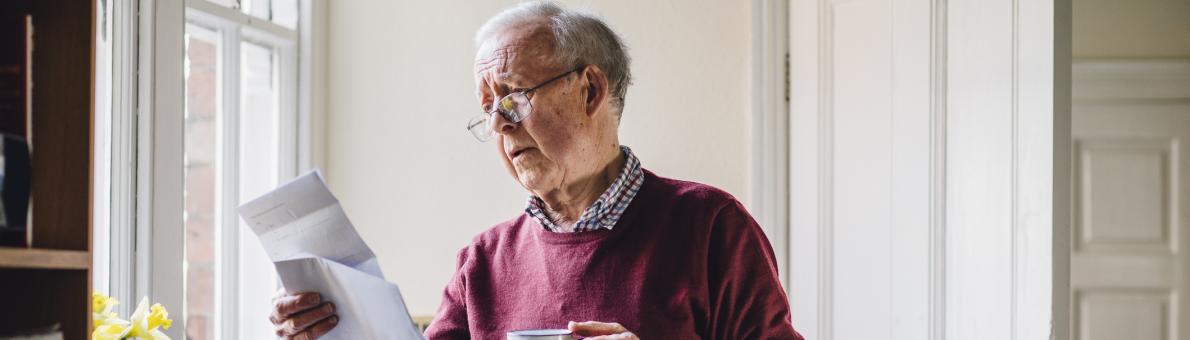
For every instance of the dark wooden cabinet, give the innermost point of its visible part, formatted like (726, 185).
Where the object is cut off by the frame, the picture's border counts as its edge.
(49, 282)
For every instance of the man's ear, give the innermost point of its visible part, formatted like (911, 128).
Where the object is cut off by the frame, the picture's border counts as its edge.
(597, 89)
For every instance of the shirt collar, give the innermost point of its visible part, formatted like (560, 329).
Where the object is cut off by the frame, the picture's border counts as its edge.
(605, 212)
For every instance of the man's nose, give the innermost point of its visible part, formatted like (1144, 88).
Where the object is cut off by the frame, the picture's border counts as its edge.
(502, 125)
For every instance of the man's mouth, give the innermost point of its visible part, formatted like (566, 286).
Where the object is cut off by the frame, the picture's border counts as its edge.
(518, 152)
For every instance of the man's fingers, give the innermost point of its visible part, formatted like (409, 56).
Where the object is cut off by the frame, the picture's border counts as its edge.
(297, 323)
(317, 330)
(286, 305)
(594, 328)
(620, 336)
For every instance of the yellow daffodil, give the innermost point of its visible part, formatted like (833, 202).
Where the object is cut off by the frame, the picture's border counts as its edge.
(101, 310)
(100, 302)
(112, 331)
(146, 321)
(159, 317)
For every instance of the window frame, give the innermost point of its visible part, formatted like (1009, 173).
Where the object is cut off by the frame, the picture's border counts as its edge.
(139, 206)
(233, 28)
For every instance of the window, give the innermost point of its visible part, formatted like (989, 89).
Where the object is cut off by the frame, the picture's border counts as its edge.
(176, 238)
(239, 142)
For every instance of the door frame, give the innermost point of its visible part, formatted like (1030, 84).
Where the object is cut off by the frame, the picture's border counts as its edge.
(1020, 228)
(770, 126)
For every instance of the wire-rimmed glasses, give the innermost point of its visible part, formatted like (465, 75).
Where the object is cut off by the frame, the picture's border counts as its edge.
(514, 107)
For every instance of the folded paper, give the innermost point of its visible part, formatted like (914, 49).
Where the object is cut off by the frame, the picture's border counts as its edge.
(315, 248)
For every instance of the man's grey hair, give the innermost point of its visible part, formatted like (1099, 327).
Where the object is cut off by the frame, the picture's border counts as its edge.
(580, 38)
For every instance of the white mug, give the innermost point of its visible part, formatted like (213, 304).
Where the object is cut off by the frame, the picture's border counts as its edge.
(540, 334)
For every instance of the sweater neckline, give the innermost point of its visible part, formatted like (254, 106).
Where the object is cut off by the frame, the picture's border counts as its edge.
(629, 215)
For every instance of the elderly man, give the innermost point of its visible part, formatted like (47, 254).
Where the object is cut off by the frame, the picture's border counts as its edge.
(602, 238)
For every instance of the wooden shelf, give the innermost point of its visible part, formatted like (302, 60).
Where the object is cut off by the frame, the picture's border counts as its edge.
(31, 258)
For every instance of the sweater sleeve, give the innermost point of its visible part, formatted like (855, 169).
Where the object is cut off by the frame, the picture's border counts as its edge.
(747, 301)
(451, 320)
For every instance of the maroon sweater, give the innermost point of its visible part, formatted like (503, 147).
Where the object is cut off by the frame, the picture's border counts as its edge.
(685, 261)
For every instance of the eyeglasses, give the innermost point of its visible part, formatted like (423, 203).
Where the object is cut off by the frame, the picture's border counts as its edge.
(514, 107)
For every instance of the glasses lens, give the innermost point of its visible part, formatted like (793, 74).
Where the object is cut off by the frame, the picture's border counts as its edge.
(515, 107)
(481, 127)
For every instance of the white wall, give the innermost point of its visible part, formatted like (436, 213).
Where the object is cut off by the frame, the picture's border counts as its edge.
(1131, 29)
(418, 186)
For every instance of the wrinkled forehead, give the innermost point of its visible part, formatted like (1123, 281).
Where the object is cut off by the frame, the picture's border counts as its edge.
(515, 55)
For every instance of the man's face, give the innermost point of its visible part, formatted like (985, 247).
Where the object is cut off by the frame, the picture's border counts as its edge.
(555, 143)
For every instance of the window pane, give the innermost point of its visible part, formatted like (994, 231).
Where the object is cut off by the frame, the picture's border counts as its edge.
(258, 122)
(285, 13)
(256, 8)
(201, 163)
(226, 3)
(259, 154)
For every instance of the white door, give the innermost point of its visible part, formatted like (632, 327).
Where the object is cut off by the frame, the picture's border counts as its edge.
(1130, 272)
(921, 177)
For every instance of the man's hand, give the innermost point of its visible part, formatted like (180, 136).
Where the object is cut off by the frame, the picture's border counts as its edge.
(592, 330)
(302, 316)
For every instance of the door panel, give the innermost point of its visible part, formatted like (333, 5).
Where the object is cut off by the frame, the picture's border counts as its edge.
(1124, 188)
(1114, 315)
(1129, 274)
